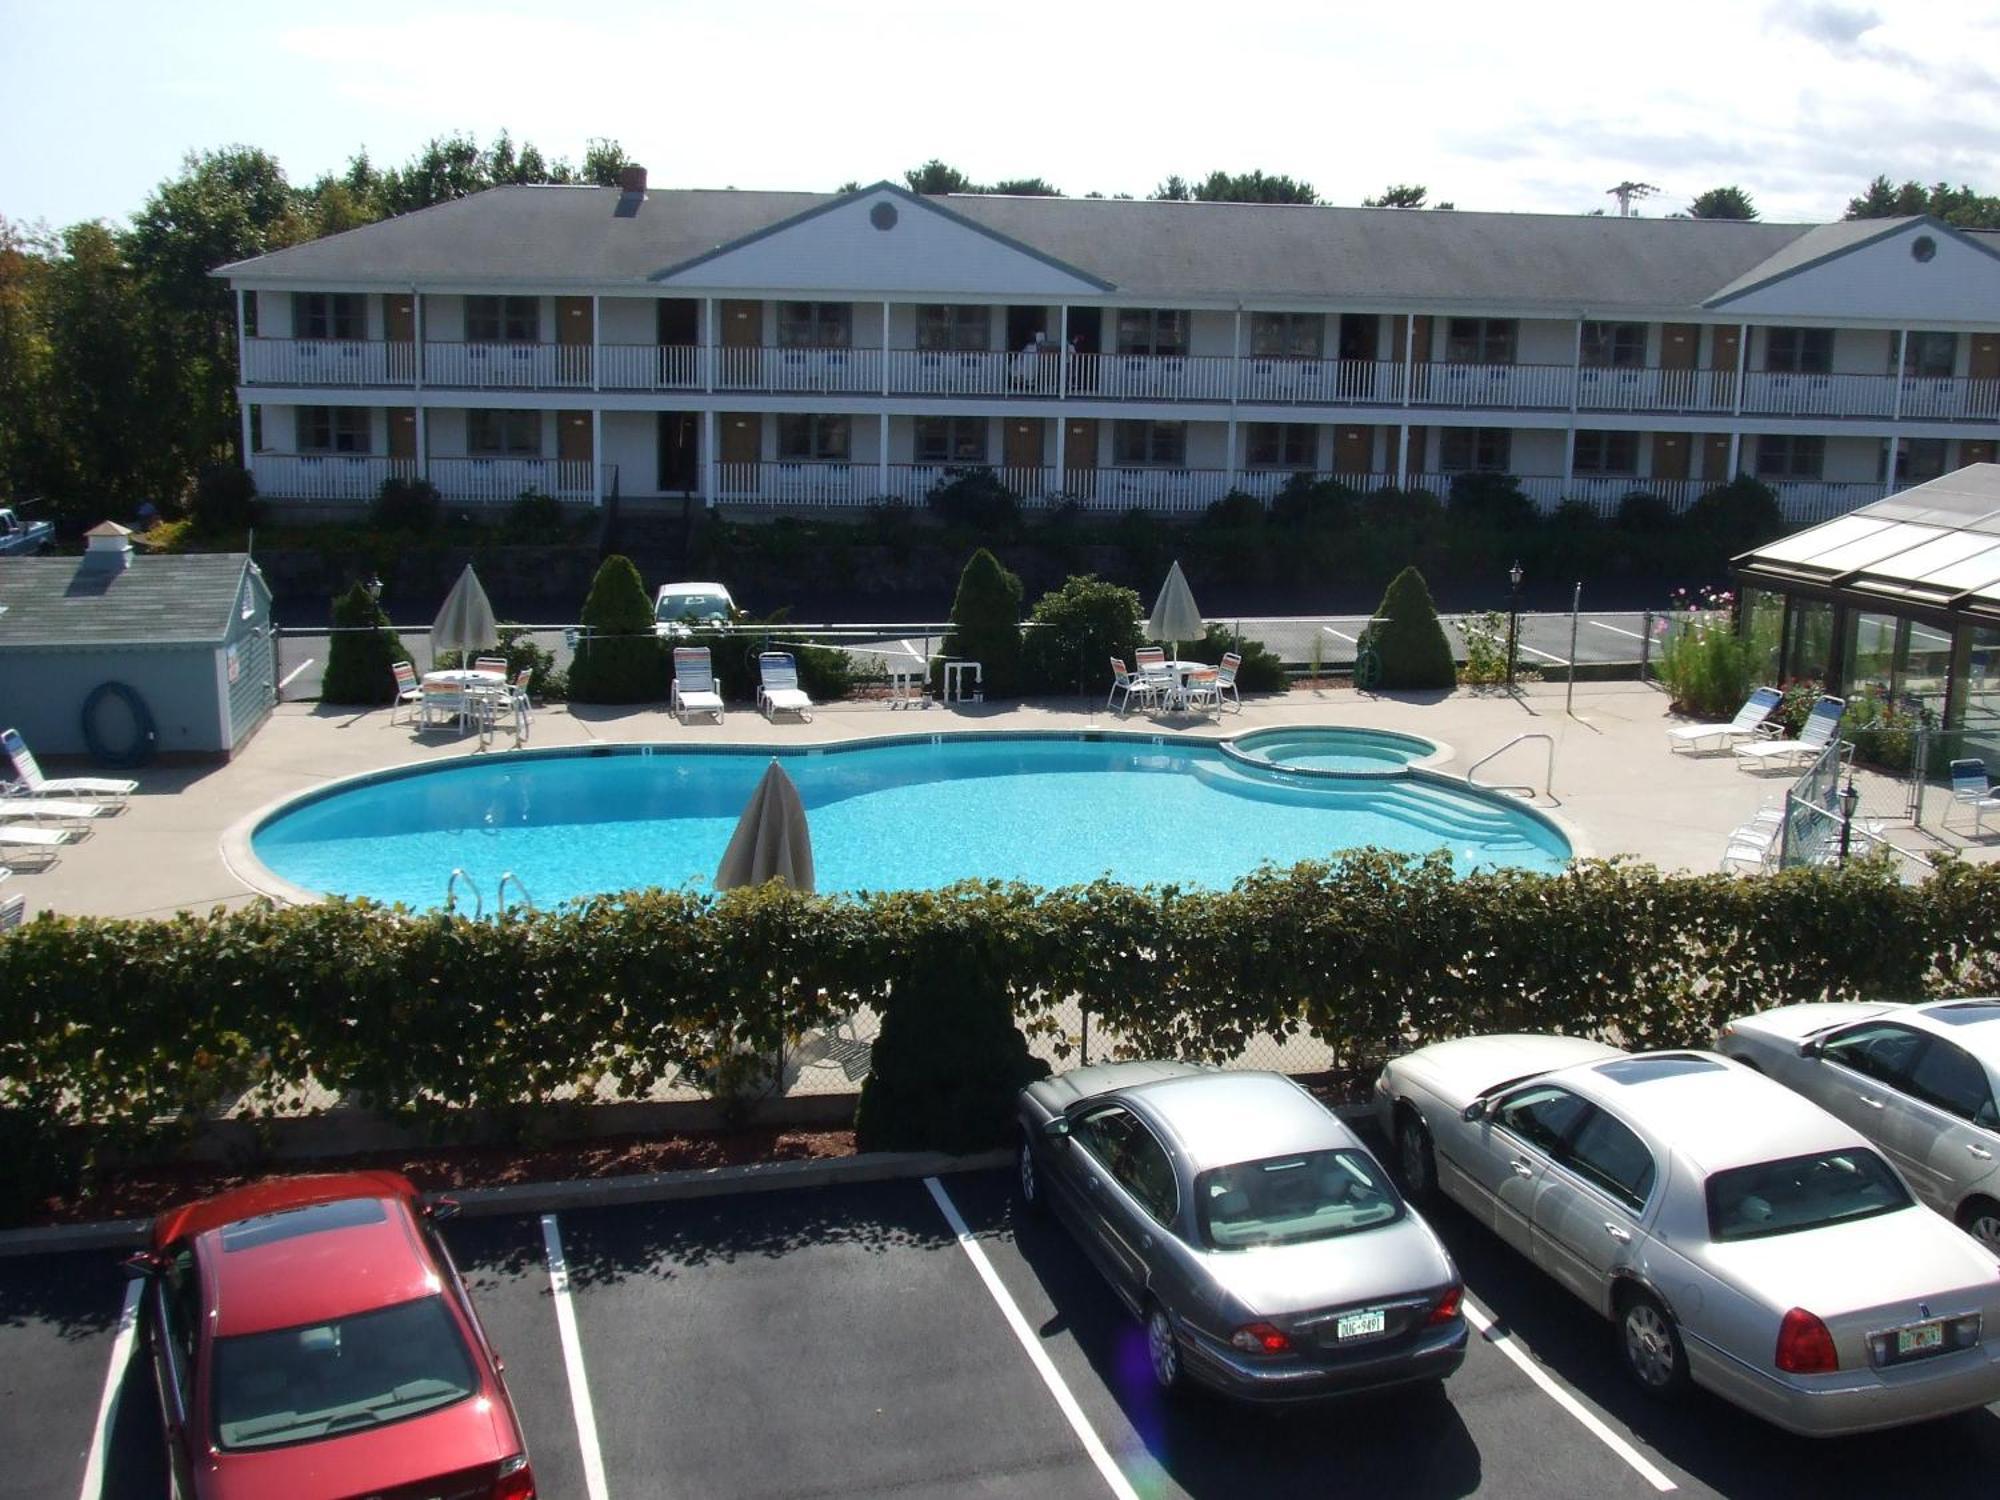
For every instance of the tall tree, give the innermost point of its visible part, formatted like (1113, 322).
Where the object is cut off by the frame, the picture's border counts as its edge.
(1954, 205)
(1253, 187)
(26, 428)
(1023, 187)
(1722, 203)
(1174, 190)
(936, 176)
(1399, 195)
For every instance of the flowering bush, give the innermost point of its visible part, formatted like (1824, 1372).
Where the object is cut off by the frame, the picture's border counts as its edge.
(1704, 663)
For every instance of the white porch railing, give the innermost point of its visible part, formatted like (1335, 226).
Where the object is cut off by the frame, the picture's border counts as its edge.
(1937, 399)
(1146, 377)
(500, 481)
(328, 362)
(1823, 499)
(1768, 393)
(507, 366)
(1167, 490)
(650, 367)
(326, 476)
(1346, 382)
(973, 372)
(1653, 390)
(1491, 385)
(850, 371)
(796, 483)
(913, 483)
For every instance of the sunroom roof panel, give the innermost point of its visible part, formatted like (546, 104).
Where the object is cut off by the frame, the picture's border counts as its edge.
(1808, 546)
(1878, 552)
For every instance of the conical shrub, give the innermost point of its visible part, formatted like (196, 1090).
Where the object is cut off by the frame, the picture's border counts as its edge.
(986, 625)
(1407, 639)
(363, 650)
(619, 658)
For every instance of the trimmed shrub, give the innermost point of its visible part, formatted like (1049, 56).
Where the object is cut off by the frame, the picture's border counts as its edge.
(1407, 638)
(619, 657)
(1642, 510)
(986, 625)
(1305, 501)
(1491, 500)
(1261, 672)
(362, 652)
(406, 505)
(976, 499)
(225, 498)
(1235, 509)
(1074, 630)
(535, 517)
(1739, 514)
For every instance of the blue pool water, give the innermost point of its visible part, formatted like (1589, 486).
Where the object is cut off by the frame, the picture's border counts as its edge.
(1048, 810)
(1339, 749)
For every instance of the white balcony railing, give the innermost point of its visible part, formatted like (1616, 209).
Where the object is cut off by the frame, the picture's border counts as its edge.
(1768, 393)
(1167, 490)
(326, 476)
(913, 483)
(973, 372)
(499, 481)
(846, 371)
(1146, 377)
(1654, 390)
(486, 367)
(1345, 382)
(650, 367)
(1491, 385)
(1934, 399)
(328, 362)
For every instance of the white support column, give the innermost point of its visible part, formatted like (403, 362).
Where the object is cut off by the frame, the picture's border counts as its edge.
(1231, 442)
(1403, 456)
(708, 356)
(1742, 364)
(596, 443)
(596, 355)
(1575, 380)
(417, 354)
(248, 451)
(885, 366)
(242, 338)
(1735, 455)
(1062, 466)
(882, 429)
(1062, 366)
(1902, 365)
(708, 494)
(1235, 360)
(1409, 368)
(423, 442)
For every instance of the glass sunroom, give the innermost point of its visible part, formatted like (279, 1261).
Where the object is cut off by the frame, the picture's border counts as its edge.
(1901, 597)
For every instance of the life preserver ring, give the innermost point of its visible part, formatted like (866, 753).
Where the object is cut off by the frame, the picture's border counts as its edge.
(1367, 668)
(145, 735)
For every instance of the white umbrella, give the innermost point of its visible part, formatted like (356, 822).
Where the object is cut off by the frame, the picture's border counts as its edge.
(465, 623)
(1175, 618)
(771, 841)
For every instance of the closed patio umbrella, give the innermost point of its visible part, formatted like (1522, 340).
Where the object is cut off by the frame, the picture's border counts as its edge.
(1175, 618)
(771, 839)
(465, 623)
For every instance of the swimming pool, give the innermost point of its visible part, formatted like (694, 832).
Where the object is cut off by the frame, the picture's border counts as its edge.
(1344, 749)
(914, 813)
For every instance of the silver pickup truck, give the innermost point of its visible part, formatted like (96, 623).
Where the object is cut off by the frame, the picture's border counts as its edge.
(18, 538)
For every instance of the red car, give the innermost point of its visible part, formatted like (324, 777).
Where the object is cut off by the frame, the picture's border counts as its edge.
(311, 1339)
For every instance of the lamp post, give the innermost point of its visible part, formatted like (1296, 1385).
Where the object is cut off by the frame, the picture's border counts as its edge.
(1850, 799)
(1513, 617)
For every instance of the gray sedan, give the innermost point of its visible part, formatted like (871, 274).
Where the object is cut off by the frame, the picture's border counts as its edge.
(1741, 1238)
(1920, 1081)
(1266, 1251)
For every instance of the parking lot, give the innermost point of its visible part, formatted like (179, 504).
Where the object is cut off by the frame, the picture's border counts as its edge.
(851, 1341)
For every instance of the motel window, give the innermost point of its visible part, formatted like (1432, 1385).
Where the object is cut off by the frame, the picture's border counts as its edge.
(954, 326)
(333, 429)
(1607, 453)
(807, 438)
(950, 440)
(1799, 351)
(503, 434)
(1614, 346)
(1930, 356)
(1782, 457)
(1480, 341)
(1161, 445)
(503, 320)
(1281, 445)
(815, 325)
(1918, 459)
(1287, 335)
(328, 315)
(1480, 450)
(1152, 330)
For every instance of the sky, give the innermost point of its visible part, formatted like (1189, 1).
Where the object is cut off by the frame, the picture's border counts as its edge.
(1537, 106)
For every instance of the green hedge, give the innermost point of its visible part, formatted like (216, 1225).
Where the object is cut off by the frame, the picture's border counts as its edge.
(136, 1027)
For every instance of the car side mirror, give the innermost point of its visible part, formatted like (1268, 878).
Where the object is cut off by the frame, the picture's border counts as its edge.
(1057, 1129)
(145, 1264)
(1476, 1110)
(440, 1209)
(1811, 1047)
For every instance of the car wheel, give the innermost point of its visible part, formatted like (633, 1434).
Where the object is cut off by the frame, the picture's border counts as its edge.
(1981, 1219)
(1652, 1345)
(1415, 1156)
(1028, 1180)
(1163, 1350)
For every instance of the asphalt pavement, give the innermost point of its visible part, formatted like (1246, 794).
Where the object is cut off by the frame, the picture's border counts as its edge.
(852, 1341)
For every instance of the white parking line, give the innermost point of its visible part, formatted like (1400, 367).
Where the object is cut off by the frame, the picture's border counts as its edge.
(1479, 1318)
(1619, 628)
(1114, 1477)
(1340, 634)
(1544, 655)
(121, 1357)
(291, 675)
(572, 1347)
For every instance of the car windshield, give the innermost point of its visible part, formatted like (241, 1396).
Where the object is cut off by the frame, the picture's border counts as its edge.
(696, 606)
(1801, 1192)
(1286, 1200)
(328, 1378)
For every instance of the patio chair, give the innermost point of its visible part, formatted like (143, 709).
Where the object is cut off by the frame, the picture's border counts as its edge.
(442, 705)
(1754, 846)
(409, 691)
(38, 841)
(1199, 692)
(490, 664)
(694, 689)
(13, 912)
(17, 805)
(1225, 681)
(1755, 710)
(1820, 727)
(35, 784)
(778, 690)
(1970, 786)
(1130, 685)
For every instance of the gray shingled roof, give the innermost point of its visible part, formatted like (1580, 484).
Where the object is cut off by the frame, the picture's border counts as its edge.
(158, 601)
(1198, 250)
(1818, 243)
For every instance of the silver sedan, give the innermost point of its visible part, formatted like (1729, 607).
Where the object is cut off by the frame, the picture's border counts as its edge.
(1268, 1254)
(1920, 1081)
(1741, 1238)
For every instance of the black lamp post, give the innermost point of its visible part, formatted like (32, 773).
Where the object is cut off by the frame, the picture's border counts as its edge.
(374, 586)
(1850, 799)
(1513, 616)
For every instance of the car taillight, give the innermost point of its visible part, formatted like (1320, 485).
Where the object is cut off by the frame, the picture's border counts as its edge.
(1260, 1338)
(1804, 1345)
(1447, 1306)
(515, 1481)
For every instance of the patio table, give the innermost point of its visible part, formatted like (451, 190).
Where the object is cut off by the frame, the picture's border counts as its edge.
(468, 685)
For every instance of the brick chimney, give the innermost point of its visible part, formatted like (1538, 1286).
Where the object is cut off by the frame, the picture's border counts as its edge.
(109, 550)
(632, 181)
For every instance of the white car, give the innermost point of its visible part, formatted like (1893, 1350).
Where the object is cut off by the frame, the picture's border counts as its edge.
(1742, 1238)
(1920, 1081)
(680, 607)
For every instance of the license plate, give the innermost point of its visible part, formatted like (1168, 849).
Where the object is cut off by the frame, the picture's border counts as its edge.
(1360, 1324)
(1920, 1339)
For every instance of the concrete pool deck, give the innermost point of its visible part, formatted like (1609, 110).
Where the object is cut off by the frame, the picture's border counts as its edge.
(1617, 786)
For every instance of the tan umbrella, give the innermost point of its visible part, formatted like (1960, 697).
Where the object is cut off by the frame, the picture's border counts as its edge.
(1175, 618)
(465, 623)
(771, 841)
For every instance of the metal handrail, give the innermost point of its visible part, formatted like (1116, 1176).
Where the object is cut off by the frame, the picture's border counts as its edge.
(500, 896)
(451, 896)
(1548, 774)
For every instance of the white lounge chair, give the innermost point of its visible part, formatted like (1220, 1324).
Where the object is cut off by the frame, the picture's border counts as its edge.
(1820, 727)
(1755, 710)
(13, 912)
(694, 684)
(35, 784)
(778, 690)
(41, 841)
(17, 806)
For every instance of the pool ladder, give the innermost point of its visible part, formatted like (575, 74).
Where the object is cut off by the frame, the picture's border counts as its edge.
(507, 878)
(1527, 792)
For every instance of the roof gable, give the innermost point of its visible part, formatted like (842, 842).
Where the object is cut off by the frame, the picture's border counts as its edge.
(882, 239)
(1905, 269)
(161, 600)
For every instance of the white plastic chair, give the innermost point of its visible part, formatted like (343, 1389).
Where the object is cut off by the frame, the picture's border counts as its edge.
(35, 784)
(1820, 726)
(694, 684)
(1755, 710)
(778, 689)
(1125, 686)
(409, 691)
(1225, 681)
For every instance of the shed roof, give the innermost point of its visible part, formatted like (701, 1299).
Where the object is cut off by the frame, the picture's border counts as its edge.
(177, 600)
